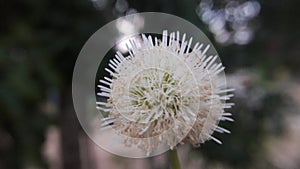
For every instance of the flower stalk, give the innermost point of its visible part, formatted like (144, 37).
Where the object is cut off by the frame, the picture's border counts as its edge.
(174, 159)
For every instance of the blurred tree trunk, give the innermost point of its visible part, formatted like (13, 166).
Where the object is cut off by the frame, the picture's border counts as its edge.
(69, 131)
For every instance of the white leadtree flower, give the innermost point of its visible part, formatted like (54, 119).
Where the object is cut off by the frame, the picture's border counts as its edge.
(165, 91)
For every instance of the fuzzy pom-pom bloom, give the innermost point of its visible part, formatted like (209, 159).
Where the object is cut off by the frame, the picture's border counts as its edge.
(166, 91)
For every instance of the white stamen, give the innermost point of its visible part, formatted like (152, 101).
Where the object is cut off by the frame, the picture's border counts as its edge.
(104, 89)
(226, 119)
(104, 104)
(108, 79)
(109, 71)
(105, 82)
(111, 66)
(205, 50)
(103, 94)
(113, 63)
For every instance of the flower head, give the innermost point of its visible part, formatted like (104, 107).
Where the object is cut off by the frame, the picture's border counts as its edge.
(165, 92)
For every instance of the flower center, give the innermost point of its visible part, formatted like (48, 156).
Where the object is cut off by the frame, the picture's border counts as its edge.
(154, 93)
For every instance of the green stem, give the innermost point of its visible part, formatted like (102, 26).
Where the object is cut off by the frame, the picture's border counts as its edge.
(174, 159)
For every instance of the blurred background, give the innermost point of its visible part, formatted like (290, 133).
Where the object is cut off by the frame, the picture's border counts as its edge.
(258, 42)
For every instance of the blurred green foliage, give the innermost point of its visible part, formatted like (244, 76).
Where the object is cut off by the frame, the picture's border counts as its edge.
(39, 43)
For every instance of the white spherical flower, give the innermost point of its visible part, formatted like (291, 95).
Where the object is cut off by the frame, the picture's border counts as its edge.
(165, 91)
